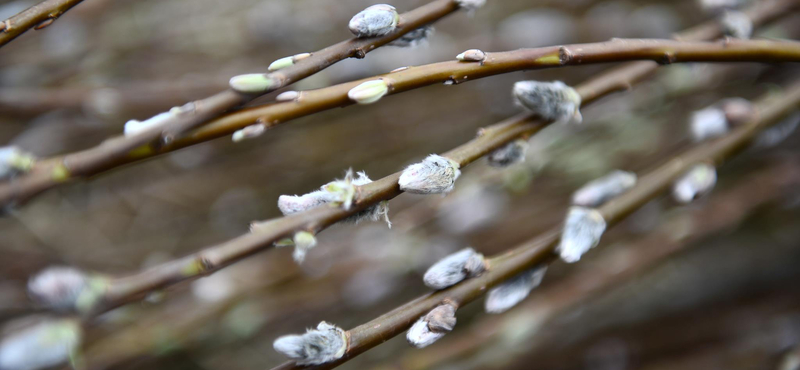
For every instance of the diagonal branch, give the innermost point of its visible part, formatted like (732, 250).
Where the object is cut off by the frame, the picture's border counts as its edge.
(542, 249)
(37, 17)
(119, 151)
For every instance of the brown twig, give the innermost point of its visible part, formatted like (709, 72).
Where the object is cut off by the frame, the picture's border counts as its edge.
(134, 287)
(723, 211)
(38, 16)
(541, 249)
(50, 173)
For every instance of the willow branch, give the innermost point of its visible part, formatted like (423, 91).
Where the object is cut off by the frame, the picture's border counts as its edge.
(37, 17)
(90, 162)
(134, 287)
(541, 250)
(116, 150)
(723, 211)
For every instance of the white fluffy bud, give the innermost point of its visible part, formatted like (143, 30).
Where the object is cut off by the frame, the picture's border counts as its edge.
(288, 96)
(708, 123)
(317, 346)
(471, 55)
(582, 231)
(434, 175)
(696, 182)
(303, 242)
(508, 294)
(249, 132)
(601, 190)
(42, 345)
(513, 152)
(66, 288)
(458, 266)
(14, 160)
(368, 92)
(376, 20)
(737, 24)
(252, 83)
(414, 38)
(471, 5)
(433, 326)
(552, 101)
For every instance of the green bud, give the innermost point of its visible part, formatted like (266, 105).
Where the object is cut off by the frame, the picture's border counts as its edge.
(252, 83)
(368, 92)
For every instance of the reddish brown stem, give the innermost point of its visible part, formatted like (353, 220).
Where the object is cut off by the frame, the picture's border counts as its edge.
(38, 16)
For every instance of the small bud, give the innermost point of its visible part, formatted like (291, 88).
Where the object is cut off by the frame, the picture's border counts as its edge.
(186, 108)
(513, 152)
(66, 288)
(286, 62)
(376, 20)
(252, 83)
(737, 24)
(582, 231)
(601, 190)
(368, 92)
(288, 96)
(41, 345)
(471, 5)
(776, 134)
(552, 101)
(697, 182)
(414, 38)
(134, 127)
(718, 119)
(716, 6)
(248, 132)
(458, 266)
(317, 346)
(434, 175)
(13, 160)
(433, 326)
(471, 55)
(303, 242)
(508, 294)
(398, 69)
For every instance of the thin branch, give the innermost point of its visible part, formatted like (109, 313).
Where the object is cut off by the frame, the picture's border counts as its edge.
(723, 211)
(50, 173)
(134, 287)
(37, 17)
(542, 249)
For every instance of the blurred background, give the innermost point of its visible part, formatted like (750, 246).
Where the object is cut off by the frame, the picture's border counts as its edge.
(712, 285)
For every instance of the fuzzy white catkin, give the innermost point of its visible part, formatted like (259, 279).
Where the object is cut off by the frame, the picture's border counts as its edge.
(601, 190)
(472, 55)
(58, 287)
(249, 132)
(708, 123)
(582, 231)
(303, 242)
(432, 326)
(552, 101)
(317, 346)
(368, 92)
(696, 182)
(737, 24)
(134, 127)
(454, 268)
(48, 343)
(513, 152)
(434, 175)
(417, 37)
(471, 5)
(507, 295)
(376, 20)
(337, 191)
(13, 160)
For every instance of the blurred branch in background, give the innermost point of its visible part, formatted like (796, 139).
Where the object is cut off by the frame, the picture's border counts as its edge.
(37, 17)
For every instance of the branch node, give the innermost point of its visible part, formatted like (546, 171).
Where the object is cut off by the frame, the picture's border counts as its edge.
(565, 55)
